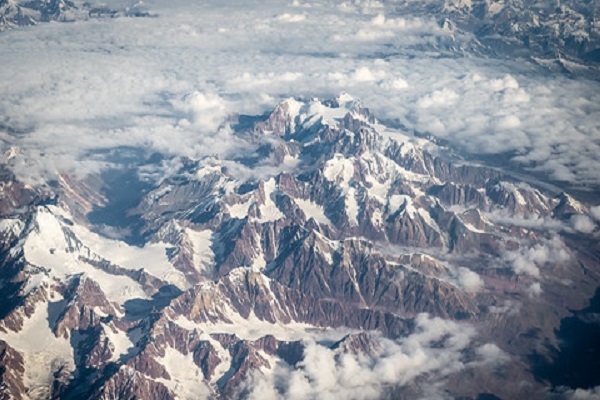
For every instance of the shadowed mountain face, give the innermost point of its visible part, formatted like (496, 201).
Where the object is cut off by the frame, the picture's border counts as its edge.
(336, 257)
(574, 362)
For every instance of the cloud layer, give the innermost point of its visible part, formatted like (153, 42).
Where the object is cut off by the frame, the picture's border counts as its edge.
(165, 83)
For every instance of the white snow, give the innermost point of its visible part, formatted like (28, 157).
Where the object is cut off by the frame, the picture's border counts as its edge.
(378, 190)
(14, 226)
(240, 210)
(157, 194)
(209, 170)
(269, 211)
(428, 220)
(203, 256)
(339, 169)
(254, 328)
(377, 218)
(293, 110)
(515, 189)
(43, 352)
(223, 355)
(119, 339)
(313, 210)
(152, 257)
(186, 378)
(271, 360)
(316, 111)
(398, 200)
(326, 247)
(351, 206)
(11, 153)
(471, 227)
(48, 246)
(380, 173)
(580, 208)
(258, 262)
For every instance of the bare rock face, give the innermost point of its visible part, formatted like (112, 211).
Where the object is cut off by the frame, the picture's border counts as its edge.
(14, 193)
(86, 306)
(358, 240)
(358, 344)
(14, 320)
(12, 369)
(130, 384)
(455, 194)
(281, 121)
(567, 207)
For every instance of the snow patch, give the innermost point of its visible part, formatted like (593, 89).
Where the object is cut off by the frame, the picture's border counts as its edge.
(52, 246)
(223, 355)
(43, 352)
(351, 207)
(339, 169)
(254, 328)
(121, 342)
(319, 112)
(186, 378)
(269, 211)
(13, 227)
(203, 256)
(313, 210)
(399, 200)
(240, 210)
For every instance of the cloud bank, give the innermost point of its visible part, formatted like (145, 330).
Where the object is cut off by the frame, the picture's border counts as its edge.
(167, 83)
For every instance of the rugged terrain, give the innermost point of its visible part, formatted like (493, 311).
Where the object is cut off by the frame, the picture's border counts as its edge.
(18, 13)
(563, 36)
(337, 257)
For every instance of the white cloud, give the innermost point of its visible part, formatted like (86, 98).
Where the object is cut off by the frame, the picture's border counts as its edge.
(532, 221)
(582, 223)
(436, 348)
(287, 17)
(206, 111)
(468, 280)
(492, 353)
(595, 212)
(501, 84)
(396, 84)
(507, 122)
(529, 260)
(358, 76)
(439, 98)
(535, 289)
(509, 307)
(582, 394)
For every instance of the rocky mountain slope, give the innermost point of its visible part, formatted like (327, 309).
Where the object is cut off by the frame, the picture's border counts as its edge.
(18, 13)
(562, 35)
(336, 256)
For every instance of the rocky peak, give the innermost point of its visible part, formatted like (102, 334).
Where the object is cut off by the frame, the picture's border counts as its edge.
(568, 206)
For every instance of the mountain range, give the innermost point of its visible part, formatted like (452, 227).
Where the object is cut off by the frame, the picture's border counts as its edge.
(336, 256)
